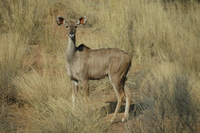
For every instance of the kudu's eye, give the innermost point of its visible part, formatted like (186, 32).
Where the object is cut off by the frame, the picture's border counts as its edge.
(66, 26)
(75, 26)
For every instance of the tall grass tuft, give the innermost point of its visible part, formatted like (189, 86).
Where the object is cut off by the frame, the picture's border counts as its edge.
(51, 109)
(11, 63)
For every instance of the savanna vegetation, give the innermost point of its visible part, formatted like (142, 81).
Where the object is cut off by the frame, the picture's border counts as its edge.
(162, 36)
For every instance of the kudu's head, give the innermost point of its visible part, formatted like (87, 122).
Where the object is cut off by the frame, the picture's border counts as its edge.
(71, 26)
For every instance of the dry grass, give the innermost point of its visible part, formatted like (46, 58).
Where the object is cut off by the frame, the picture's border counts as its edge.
(162, 38)
(171, 99)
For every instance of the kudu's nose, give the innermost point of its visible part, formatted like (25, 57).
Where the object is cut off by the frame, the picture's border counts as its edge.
(71, 34)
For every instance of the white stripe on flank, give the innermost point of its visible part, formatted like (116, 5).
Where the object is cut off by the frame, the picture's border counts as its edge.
(127, 74)
(120, 61)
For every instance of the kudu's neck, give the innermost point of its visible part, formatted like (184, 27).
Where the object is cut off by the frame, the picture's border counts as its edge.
(71, 48)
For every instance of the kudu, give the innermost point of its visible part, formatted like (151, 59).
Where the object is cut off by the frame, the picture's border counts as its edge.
(85, 64)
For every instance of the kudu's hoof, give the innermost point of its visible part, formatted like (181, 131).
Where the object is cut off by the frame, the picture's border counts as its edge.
(112, 121)
(124, 120)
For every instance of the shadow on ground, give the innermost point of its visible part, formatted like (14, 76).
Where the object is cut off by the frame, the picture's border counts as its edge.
(135, 109)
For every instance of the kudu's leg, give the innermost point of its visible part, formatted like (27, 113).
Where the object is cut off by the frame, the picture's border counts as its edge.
(120, 94)
(127, 91)
(74, 91)
(85, 89)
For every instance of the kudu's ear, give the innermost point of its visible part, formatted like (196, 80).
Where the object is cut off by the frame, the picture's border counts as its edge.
(60, 21)
(81, 21)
